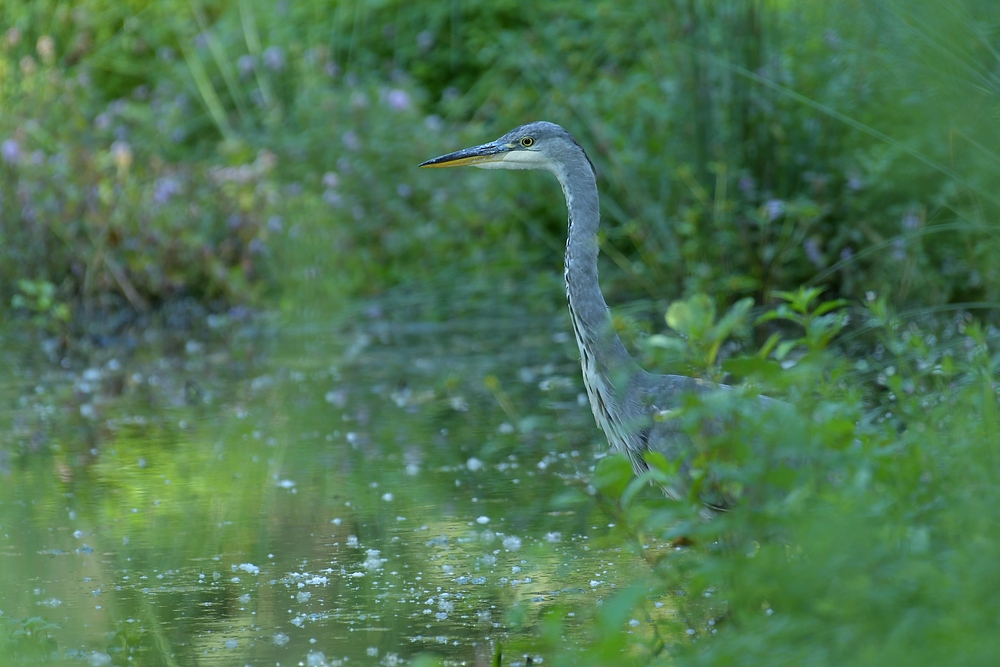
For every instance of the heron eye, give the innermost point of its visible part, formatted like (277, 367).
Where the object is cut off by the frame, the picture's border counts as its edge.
(527, 141)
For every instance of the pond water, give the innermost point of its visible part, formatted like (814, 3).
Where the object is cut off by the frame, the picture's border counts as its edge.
(305, 491)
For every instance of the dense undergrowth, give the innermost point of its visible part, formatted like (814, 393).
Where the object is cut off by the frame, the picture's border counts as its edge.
(252, 153)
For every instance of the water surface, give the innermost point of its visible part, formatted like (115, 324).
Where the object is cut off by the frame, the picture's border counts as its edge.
(301, 492)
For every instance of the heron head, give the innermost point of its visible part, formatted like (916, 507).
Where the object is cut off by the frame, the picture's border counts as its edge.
(539, 145)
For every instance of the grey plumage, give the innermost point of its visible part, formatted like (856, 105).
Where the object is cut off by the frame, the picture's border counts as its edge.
(626, 400)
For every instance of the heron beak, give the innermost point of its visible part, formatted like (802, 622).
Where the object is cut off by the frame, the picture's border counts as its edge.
(476, 155)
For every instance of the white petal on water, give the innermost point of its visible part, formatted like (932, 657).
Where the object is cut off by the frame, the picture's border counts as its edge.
(512, 543)
(373, 562)
(280, 639)
(98, 659)
(474, 464)
(483, 520)
(315, 659)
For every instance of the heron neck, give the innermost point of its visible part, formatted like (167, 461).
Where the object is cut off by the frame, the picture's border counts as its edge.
(595, 332)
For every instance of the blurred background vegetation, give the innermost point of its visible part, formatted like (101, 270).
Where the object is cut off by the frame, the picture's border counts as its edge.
(238, 154)
(154, 151)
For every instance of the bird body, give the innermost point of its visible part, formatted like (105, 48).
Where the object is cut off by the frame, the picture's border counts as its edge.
(625, 399)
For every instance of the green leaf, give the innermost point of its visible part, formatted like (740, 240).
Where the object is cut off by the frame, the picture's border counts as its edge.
(827, 306)
(692, 317)
(643, 481)
(612, 475)
(769, 345)
(736, 317)
(657, 460)
(784, 347)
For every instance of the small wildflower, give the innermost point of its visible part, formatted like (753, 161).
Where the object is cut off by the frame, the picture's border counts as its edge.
(425, 40)
(274, 58)
(165, 188)
(28, 65)
(246, 64)
(351, 141)
(121, 153)
(46, 47)
(10, 150)
(398, 100)
(813, 252)
(774, 209)
(899, 250)
(331, 180)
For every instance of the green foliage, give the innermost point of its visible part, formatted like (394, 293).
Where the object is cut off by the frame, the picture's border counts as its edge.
(27, 638)
(39, 299)
(734, 142)
(857, 538)
(696, 351)
(235, 149)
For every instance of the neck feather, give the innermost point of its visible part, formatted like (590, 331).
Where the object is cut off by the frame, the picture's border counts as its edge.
(595, 334)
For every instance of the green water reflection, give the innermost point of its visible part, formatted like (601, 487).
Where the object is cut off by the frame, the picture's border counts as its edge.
(309, 494)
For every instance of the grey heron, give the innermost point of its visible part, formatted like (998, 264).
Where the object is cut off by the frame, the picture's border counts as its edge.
(627, 402)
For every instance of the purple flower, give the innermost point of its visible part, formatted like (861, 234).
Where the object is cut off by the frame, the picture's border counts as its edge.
(165, 188)
(246, 64)
(910, 221)
(330, 179)
(274, 224)
(815, 255)
(425, 40)
(846, 253)
(774, 209)
(333, 198)
(274, 58)
(351, 141)
(10, 150)
(398, 100)
(747, 185)
(899, 250)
